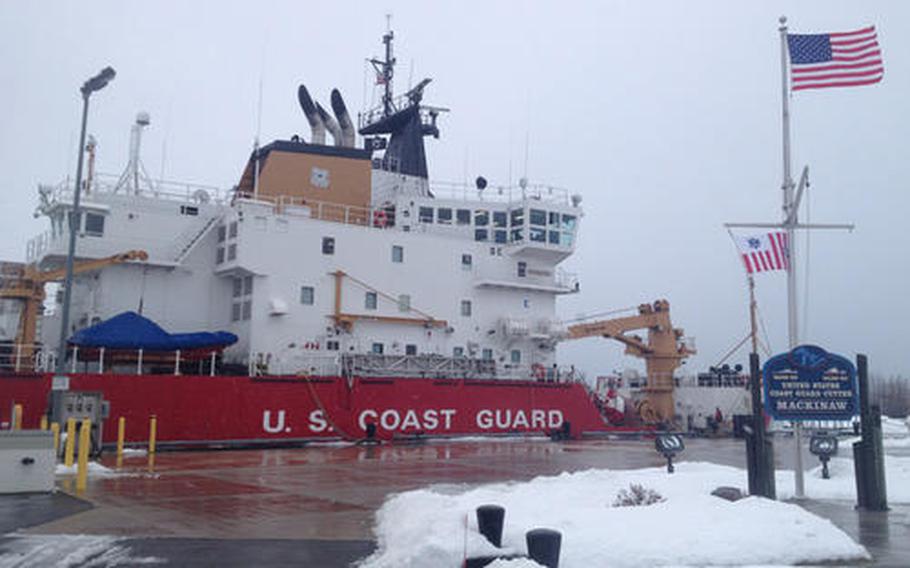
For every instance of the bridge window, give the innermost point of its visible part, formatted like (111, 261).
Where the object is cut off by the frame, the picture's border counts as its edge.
(426, 214)
(481, 235)
(232, 230)
(500, 219)
(222, 233)
(537, 235)
(463, 216)
(517, 217)
(232, 251)
(444, 216)
(538, 217)
(481, 218)
(94, 224)
(501, 237)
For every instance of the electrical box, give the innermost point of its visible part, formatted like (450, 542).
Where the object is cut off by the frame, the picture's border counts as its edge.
(27, 461)
(66, 404)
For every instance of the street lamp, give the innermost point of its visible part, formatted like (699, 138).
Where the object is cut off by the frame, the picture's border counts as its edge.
(96, 83)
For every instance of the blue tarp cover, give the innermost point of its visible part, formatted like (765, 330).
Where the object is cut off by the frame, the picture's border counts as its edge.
(129, 330)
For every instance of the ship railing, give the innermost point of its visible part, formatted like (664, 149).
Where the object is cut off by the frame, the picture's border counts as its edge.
(462, 191)
(25, 358)
(268, 364)
(170, 190)
(295, 206)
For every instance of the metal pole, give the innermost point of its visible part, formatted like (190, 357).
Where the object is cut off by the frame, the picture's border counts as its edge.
(790, 221)
(74, 221)
(752, 309)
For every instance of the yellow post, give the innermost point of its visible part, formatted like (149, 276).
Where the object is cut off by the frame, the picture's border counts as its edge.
(85, 433)
(17, 417)
(121, 434)
(44, 421)
(70, 442)
(55, 428)
(153, 433)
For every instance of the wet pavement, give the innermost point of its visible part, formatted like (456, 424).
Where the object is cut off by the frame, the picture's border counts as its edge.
(315, 505)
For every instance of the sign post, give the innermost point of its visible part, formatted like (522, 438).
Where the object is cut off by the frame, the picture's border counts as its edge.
(808, 383)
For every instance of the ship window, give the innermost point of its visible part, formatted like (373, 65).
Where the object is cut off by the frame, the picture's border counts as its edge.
(538, 217)
(222, 233)
(191, 210)
(554, 218)
(247, 309)
(481, 218)
(487, 354)
(235, 312)
(397, 253)
(444, 215)
(307, 295)
(458, 352)
(568, 222)
(232, 230)
(537, 234)
(232, 251)
(567, 239)
(94, 224)
(247, 285)
(426, 214)
(328, 245)
(219, 255)
(377, 348)
(467, 261)
(522, 269)
(369, 301)
(517, 235)
(499, 218)
(332, 345)
(410, 349)
(517, 217)
(481, 234)
(404, 303)
(515, 356)
(238, 287)
(463, 216)
(466, 308)
(554, 237)
(501, 236)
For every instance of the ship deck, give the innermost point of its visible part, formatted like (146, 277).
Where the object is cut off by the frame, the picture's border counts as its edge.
(315, 505)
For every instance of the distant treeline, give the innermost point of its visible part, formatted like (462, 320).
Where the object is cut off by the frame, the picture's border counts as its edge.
(892, 394)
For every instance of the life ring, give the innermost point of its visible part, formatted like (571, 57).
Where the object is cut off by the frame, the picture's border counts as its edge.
(538, 371)
(380, 219)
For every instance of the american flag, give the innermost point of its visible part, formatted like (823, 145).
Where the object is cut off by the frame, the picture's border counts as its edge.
(765, 252)
(846, 59)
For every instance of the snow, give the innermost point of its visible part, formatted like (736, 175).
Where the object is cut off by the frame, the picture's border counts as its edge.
(64, 551)
(427, 527)
(514, 563)
(895, 427)
(842, 486)
(95, 469)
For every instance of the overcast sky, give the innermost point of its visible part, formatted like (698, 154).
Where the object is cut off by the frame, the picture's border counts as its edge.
(664, 116)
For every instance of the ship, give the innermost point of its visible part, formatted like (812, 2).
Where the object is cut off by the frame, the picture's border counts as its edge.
(333, 293)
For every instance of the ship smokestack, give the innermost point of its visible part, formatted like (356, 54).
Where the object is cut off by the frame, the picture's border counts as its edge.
(344, 119)
(330, 124)
(317, 126)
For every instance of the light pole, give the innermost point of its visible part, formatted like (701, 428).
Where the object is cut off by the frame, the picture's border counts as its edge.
(96, 83)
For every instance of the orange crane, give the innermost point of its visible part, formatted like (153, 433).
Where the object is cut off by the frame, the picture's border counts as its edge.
(663, 353)
(346, 320)
(26, 283)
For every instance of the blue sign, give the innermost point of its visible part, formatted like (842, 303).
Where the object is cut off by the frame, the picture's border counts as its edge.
(808, 383)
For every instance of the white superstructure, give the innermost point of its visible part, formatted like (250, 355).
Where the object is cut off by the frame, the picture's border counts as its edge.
(322, 250)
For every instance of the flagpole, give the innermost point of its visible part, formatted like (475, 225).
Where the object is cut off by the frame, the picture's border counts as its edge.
(790, 221)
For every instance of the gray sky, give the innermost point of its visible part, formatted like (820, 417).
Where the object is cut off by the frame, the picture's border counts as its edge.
(664, 115)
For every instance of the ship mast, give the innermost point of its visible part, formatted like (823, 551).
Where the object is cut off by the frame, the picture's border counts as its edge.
(385, 69)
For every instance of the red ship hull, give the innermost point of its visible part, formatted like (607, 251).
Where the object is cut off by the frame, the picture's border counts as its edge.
(203, 410)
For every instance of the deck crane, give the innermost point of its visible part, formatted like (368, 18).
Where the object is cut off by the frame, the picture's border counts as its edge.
(663, 353)
(26, 283)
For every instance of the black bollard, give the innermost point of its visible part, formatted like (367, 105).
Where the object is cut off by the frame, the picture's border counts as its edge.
(489, 522)
(371, 431)
(543, 546)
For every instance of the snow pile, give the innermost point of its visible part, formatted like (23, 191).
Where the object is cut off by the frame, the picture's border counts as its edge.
(842, 485)
(95, 469)
(65, 551)
(427, 527)
(895, 427)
